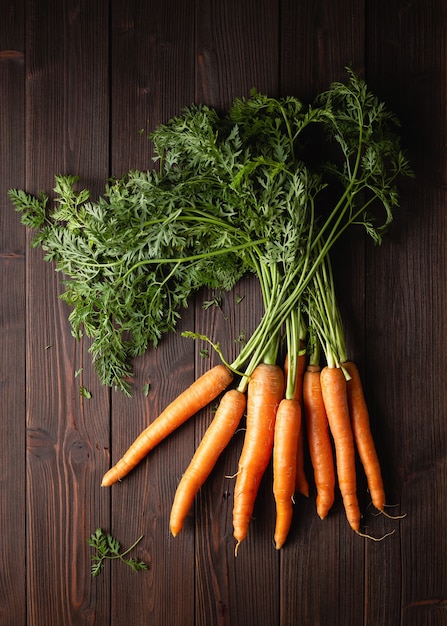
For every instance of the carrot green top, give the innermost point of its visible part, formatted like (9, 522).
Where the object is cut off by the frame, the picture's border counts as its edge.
(266, 188)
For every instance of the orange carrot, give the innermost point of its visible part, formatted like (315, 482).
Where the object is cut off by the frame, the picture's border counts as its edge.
(320, 447)
(265, 392)
(301, 368)
(285, 445)
(215, 440)
(363, 437)
(189, 402)
(301, 482)
(333, 387)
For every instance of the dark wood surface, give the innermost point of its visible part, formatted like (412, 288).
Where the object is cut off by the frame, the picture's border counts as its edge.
(78, 81)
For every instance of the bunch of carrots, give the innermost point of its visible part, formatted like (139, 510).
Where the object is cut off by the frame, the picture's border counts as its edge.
(306, 398)
(324, 406)
(267, 189)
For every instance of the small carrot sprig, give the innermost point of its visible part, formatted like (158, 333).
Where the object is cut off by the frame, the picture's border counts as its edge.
(109, 548)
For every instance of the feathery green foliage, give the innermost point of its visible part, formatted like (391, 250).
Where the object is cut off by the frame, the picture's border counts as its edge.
(266, 188)
(108, 548)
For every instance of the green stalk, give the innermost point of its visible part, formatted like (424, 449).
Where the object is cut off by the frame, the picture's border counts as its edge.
(293, 337)
(282, 303)
(324, 316)
(192, 258)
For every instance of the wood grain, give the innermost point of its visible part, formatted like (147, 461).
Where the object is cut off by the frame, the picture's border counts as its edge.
(152, 70)
(409, 75)
(12, 322)
(67, 438)
(237, 50)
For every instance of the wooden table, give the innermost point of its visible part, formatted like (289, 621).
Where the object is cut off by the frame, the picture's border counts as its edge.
(79, 80)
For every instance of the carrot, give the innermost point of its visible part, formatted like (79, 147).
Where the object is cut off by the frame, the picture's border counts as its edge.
(285, 446)
(215, 440)
(189, 402)
(265, 392)
(320, 447)
(333, 387)
(301, 482)
(363, 437)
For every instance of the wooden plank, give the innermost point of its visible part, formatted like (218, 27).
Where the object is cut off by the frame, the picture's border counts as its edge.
(230, 589)
(318, 40)
(152, 79)
(12, 431)
(322, 563)
(237, 47)
(67, 130)
(406, 320)
(12, 322)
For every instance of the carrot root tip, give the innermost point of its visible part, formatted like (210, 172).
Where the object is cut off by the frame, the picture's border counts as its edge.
(230, 476)
(366, 536)
(236, 548)
(383, 512)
